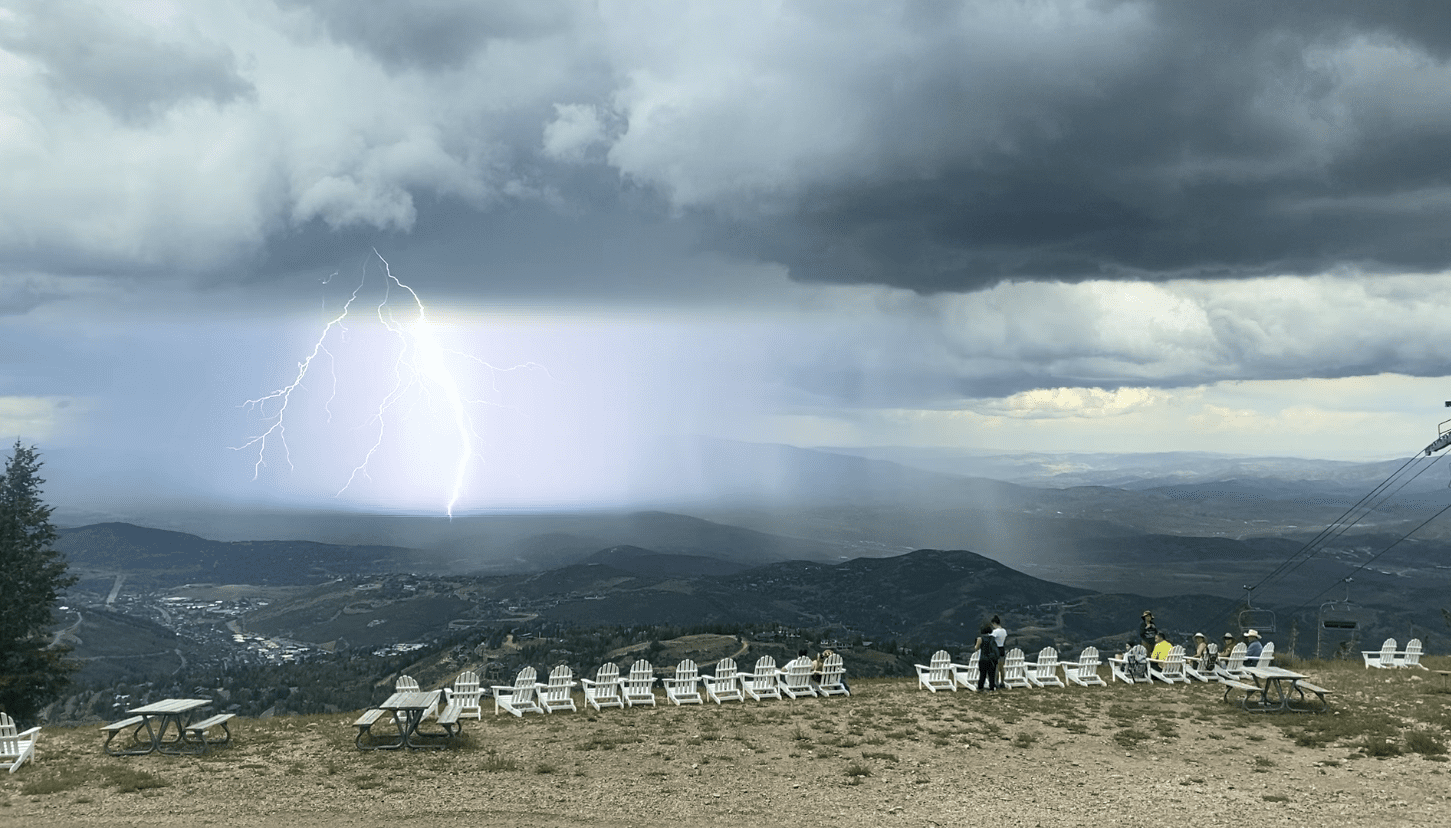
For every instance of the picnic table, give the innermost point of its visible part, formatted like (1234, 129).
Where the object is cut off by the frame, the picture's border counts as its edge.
(1278, 690)
(157, 720)
(408, 708)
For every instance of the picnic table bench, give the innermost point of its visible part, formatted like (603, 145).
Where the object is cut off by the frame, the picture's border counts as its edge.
(198, 730)
(1281, 684)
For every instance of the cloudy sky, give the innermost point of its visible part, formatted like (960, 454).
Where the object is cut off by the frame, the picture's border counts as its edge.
(1096, 226)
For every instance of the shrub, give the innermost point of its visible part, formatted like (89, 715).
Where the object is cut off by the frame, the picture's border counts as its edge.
(1424, 743)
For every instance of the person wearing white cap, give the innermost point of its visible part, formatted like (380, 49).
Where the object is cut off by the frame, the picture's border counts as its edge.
(1253, 648)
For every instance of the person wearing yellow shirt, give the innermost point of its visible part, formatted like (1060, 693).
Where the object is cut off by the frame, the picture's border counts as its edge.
(1161, 648)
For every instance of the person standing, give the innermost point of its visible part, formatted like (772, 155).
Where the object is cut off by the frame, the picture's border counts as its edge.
(987, 658)
(1000, 636)
(1148, 630)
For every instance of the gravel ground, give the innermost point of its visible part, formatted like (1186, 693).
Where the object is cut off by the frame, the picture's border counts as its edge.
(889, 755)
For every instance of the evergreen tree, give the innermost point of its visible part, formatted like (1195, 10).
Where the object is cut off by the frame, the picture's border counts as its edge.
(32, 576)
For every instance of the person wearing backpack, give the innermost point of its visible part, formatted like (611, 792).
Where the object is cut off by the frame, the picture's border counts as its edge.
(988, 656)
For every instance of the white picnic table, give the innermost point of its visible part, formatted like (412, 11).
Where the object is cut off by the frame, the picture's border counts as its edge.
(156, 719)
(408, 708)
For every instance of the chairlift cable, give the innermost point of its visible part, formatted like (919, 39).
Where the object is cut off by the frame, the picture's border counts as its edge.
(1342, 530)
(1325, 533)
(1372, 558)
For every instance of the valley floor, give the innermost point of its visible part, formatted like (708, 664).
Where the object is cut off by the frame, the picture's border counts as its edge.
(889, 755)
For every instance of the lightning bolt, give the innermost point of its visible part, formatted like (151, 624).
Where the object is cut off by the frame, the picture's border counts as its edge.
(421, 365)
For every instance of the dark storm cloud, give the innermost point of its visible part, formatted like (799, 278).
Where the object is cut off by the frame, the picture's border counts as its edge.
(1244, 139)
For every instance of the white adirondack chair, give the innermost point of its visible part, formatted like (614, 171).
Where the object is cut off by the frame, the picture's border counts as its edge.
(1194, 669)
(1044, 671)
(684, 686)
(795, 678)
(966, 674)
(1412, 655)
(1231, 667)
(15, 747)
(1122, 667)
(1015, 670)
(1084, 671)
(466, 693)
(762, 683)
(1384, 658)
(604, 689)
(638, 686)
(1171, 669)
(725, 685)
(521, 698)
(408, 684)
(936, 675)
(1267, 655)
(558, 693)
(833, 677)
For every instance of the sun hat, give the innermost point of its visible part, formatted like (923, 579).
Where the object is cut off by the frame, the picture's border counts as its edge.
(1251, 633)
(1146, 612)
(1199, 635)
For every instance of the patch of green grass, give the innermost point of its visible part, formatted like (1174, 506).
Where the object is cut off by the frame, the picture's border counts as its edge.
(1025, 739)
(857, 770)
(883, 756)
(544, 768)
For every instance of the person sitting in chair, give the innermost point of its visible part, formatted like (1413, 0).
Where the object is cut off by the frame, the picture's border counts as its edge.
(1161, 648)
(1252, 648)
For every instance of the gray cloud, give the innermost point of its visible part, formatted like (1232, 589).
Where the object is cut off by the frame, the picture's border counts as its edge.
(90, 53)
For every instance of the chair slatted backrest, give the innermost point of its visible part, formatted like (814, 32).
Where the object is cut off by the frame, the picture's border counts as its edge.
(1087, 669)
(761, 684)
(9, 737)
(684, 686)
(466, 694)
(1015, 670)
(638, 687)
(558, 693)
(966, 674)
(937, 673)
(1044, 671)
(1232, 665)
(833, 677)
(406, 684)
(795, 679)
(1267, 655)
(1412, 656)
(604, 689)
(1172, 670)
(725, 685)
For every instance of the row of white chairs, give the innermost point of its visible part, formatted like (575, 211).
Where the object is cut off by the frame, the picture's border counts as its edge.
(944, 674)
(609, 688)
(1388, 657)
(941, 673)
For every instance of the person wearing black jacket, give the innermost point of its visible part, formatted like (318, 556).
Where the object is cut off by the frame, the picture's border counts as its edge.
(1148, 631)
(987, 658)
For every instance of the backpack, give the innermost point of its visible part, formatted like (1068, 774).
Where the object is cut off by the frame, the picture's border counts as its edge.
(1211, 657)
(988, 649)
(1137, 663)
